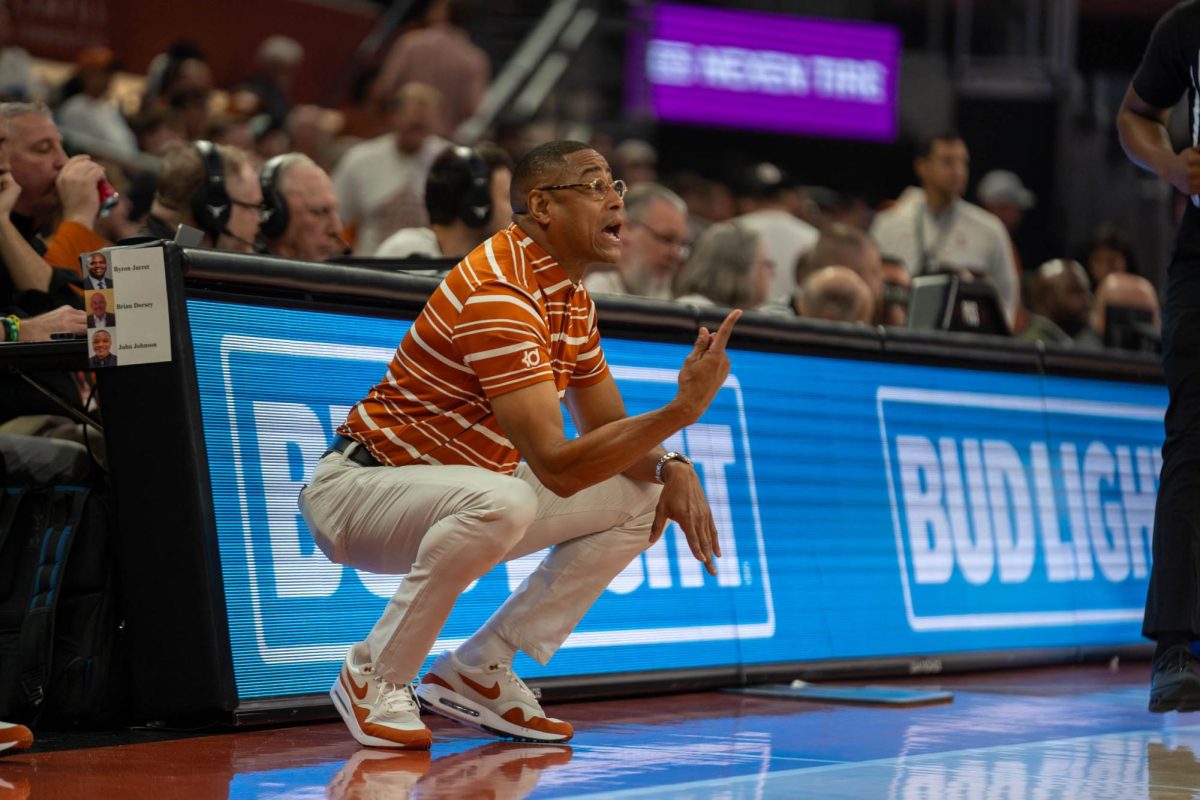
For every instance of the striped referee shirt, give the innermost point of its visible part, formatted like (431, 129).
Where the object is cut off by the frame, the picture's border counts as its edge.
(506, 317)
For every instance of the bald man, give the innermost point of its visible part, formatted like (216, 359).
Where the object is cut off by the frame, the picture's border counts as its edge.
(1061, 304)
(836, 293)
(1121, 289)
(843, 246)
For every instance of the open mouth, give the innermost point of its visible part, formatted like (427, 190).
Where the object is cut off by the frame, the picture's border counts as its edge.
(613, 231)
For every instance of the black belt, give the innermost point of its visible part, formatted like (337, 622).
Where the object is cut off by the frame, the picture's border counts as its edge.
(360, 455)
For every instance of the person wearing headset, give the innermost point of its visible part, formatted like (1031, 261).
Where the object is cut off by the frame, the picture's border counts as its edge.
(466, 194)
(211, 187)
(300, 210)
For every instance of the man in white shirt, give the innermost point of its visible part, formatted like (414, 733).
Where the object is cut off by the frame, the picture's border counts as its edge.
(764, 206)
(936, 230)
(380, 183)
(466, 195)
(91, 111)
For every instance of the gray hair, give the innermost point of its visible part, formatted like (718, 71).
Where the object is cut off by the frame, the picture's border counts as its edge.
(287, 162)
(14, 110)
(720, 265)
(641, 197)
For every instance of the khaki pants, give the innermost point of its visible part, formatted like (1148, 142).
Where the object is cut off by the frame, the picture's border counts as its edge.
(445, 526)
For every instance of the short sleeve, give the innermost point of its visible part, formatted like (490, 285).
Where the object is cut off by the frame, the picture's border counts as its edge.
(501, 335)
(1163, 76)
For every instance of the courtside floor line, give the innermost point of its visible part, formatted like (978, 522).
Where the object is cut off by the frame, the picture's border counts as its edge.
(783, 778)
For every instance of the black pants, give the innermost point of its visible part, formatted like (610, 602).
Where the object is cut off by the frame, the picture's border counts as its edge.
(1173, 601)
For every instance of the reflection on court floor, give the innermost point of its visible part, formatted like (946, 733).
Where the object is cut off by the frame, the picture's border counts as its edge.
(1051, 734)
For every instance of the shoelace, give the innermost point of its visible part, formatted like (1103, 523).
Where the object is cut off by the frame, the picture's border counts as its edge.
(511, 677)
(395, 698)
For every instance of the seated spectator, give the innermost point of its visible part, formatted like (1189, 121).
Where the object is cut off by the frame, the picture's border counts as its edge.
(635, 161)
(28, 284)
(18, 81)
(310, 133)
(225, 208)
(440, 55)
(467, 197)
(837, 294)
(1130, 293)
(1109, 251)
(730, 266)
(156, 130)
(897, 290)
(380, 183)
(275, 66)
(53, 187)
(231, 129)
(842, 246)
(764, 198)
(300, 210)
(653, 245)
(182, 69)
(1061, 306)
(89, 110)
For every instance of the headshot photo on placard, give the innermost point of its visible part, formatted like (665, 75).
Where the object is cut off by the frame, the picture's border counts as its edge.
(99, 304)
(96, 272)
(100, 349)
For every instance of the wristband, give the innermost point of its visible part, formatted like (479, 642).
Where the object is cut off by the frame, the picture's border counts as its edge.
(12, 327)
(670, 455)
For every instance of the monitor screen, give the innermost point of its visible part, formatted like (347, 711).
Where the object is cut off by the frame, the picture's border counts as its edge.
(1128, 328)
(946, 302)
(770, 72)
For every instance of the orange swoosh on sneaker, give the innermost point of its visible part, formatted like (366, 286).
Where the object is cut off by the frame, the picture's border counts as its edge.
(359, 692)
(490, 692)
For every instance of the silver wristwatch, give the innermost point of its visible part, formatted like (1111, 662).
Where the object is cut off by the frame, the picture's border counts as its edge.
(670, 455)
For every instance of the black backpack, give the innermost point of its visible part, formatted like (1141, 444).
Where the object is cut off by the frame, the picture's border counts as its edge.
(60, 629)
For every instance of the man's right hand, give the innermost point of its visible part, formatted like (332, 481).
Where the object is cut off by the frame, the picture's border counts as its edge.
(705, 368)
(10, 190)
(63, 319)
(1183, 172)
(76, 185)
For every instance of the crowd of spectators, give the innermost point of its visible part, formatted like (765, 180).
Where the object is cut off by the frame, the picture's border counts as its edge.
(255, 172)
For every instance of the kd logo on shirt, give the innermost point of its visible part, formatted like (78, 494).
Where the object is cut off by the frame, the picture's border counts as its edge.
(1000, 505)
(289, 605)
(531, 358)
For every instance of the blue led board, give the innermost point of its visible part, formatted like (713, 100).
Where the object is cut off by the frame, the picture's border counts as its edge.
(864, 508)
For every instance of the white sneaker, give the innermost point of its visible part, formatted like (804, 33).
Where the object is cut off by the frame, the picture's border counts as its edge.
(490, 698)
(14, 737)
(378, 713)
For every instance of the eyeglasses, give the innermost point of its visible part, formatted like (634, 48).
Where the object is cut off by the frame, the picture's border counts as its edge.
(257, 208)
(665, 239)
(597, 187)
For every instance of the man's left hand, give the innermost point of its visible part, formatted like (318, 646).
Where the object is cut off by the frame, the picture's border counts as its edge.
(683, 500)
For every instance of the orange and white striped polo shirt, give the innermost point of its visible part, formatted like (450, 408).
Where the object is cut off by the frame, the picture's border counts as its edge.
(506, 317)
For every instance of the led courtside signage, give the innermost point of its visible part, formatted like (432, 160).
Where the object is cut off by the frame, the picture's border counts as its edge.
(740, 69)
(864, 508)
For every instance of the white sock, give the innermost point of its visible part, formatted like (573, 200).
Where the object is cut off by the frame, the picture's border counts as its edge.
(484, 649)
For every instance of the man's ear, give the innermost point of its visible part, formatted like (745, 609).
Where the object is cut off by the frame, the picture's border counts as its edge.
(539, 207)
